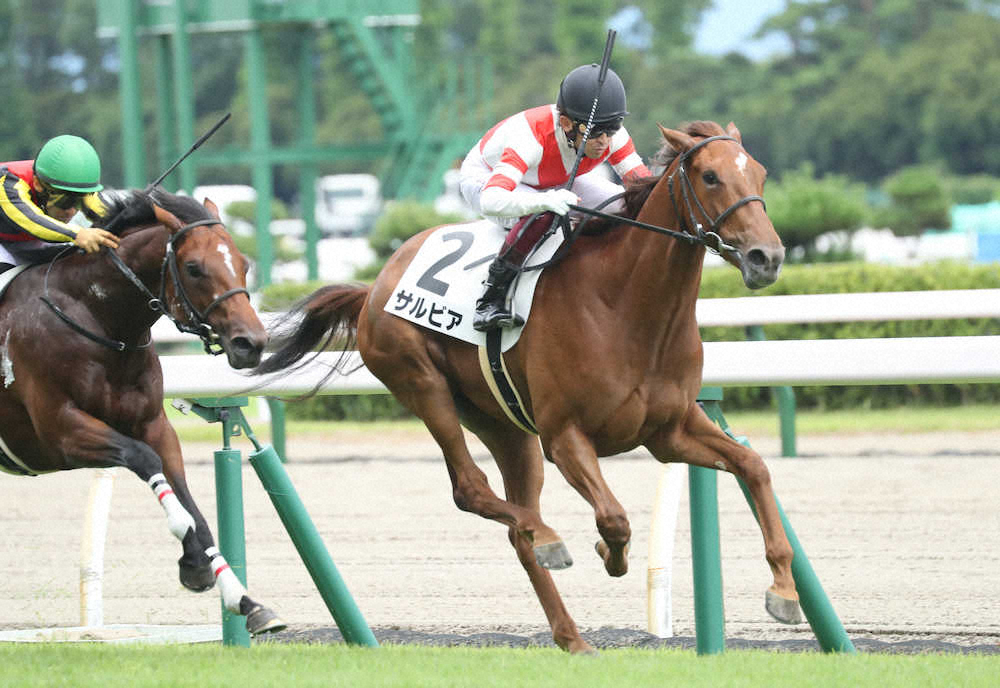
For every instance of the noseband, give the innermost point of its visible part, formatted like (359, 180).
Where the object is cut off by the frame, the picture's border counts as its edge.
(711, 238)
(196, 321)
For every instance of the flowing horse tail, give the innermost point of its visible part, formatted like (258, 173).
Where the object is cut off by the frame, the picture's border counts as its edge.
(326, 319)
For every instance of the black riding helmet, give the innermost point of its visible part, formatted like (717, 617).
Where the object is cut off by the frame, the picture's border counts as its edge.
(577, 91)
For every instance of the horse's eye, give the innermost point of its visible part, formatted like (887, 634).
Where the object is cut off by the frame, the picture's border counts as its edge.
(193, 269)
(710, 178)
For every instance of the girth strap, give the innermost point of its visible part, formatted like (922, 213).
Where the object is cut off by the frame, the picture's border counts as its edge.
(495, 372)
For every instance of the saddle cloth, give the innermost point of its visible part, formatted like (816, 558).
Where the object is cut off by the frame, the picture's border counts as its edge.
(440, 287)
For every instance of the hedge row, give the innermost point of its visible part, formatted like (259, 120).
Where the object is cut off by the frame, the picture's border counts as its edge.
(855, 278)
(825, 278)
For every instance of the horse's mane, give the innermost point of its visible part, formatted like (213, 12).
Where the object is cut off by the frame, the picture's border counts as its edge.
(134, 208)
(638, 190)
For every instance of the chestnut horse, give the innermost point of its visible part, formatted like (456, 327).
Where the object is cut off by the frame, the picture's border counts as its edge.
(82, 384)
(610, 359)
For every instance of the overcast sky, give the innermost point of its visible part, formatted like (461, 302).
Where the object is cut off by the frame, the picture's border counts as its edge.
(727, 26)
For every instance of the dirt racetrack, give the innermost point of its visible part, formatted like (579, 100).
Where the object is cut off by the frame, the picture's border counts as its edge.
(902, 530)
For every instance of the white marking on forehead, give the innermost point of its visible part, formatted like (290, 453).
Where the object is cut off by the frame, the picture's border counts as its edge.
(228, 256)
(741, 162)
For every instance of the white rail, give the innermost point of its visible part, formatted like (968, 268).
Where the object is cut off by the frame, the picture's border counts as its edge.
(727, 364)
(878, 306)
(799, 308)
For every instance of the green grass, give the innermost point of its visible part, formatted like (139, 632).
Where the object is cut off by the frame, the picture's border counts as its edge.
(207, 666)
(971, 418)
(904, 420)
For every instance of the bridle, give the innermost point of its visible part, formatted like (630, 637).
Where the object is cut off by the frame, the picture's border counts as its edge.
(692, 231)
(195, 321)
(688, 195)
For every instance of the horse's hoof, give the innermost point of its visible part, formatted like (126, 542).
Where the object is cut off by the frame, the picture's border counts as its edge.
(781, 608)
(553, 556)
(615, 569)
(260, 620)
(197, 578)
(582, 649)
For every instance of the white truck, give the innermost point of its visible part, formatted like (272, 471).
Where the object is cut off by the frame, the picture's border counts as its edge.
(347, 205)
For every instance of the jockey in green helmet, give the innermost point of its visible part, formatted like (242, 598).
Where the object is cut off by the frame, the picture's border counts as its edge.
(39, 198)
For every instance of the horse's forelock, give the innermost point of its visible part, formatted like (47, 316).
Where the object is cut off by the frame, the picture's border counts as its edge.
(700, 129)
(184, 208)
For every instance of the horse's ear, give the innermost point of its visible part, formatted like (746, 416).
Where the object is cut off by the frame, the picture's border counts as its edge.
(734, 132)
(167, 218)
(678, 140)
(212, 208)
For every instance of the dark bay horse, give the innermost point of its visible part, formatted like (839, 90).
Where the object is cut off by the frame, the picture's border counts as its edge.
(82, 384)
(610, 359)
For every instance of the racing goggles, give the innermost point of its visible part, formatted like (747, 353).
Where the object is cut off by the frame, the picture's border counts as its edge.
(58, 198)
(598, 128)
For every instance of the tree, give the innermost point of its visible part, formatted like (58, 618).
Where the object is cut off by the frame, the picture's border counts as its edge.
(802, 207)
(918, 201)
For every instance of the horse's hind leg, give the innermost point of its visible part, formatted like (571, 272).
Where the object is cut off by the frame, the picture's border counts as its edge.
(520, 462)
(701, 442)
(576, 459)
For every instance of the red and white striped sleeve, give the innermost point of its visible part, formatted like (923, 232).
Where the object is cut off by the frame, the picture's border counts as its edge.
(510, 149)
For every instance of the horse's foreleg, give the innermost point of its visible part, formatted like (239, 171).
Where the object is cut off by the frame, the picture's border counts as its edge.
(196, 570)
(85, 441)
(202, 564)
(520, 462)
(576, 459)
(416, 383)
(700, 442)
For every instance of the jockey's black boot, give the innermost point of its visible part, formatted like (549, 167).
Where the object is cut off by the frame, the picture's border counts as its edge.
(491, 308)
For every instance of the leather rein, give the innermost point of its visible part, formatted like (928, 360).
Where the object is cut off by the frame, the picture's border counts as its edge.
(710, 239)
(196, 321)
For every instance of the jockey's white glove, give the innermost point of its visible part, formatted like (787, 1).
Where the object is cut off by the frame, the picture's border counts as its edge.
(502, 203)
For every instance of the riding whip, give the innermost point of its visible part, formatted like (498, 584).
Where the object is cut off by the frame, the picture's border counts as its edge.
(197, 144)
(605, 61)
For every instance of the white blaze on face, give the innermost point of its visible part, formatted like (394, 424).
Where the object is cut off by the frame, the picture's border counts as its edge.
(741, 163)
(98, 292)
(228, 256)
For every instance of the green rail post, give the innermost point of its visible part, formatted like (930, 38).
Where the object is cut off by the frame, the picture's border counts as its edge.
(706, 561)
(813, 599)
(786, 402)
(232, 540)
(307, 540)
(229, 504)
(706, 557)
(277, 407)
(311, 548)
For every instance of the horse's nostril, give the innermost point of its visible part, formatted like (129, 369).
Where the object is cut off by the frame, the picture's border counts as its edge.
(243, 344)
(757, 258)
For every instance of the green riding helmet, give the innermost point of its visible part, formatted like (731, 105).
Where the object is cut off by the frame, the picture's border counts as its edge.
(69, 163)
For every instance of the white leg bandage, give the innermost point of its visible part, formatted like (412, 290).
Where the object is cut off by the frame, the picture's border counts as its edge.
(229, 585)
(179, 521)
